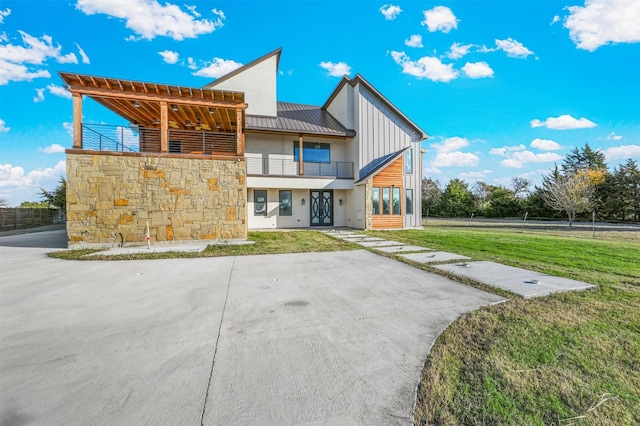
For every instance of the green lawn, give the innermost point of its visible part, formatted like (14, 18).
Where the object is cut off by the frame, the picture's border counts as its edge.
(570, 358)
(265, 243)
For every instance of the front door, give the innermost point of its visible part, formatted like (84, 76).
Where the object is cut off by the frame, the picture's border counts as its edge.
(322, 208)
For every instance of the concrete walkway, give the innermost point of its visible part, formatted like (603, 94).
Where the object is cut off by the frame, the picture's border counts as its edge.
(516, 280)
(311, 338)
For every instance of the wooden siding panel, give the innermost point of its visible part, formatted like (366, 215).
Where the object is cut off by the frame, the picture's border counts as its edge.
(392, 175)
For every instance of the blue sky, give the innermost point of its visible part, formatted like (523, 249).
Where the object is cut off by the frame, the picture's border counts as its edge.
(504, 88)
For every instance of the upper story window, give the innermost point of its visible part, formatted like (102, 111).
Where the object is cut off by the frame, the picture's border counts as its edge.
(408, 161)
(312, 152)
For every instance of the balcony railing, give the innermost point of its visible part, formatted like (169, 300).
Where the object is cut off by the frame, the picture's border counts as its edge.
(101, 137)
(284, 167)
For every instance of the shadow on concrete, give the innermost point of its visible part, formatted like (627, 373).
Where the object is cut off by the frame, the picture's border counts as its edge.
(37, 238)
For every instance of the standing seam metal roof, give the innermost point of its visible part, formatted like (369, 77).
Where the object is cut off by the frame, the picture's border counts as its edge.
(299, 118)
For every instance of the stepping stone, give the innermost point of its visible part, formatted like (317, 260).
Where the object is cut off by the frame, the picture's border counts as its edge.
(436, 256)
(367, 239)
(400, 249)
(516, 280)
(379, 243)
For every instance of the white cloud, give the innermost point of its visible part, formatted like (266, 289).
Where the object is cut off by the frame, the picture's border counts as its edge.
(191, 63)
(4, 14)
(477, 70)
(52, 149)
(169, 56)
(545, 144)
(518, 159)
(59, 91)
(555, 19)
(3, 127)
(440, 18)
(564, 122)
(217, 68)
(218, 13)
(457, 50)
(149, 19)
(622, 152)
(601, 22)
(613, 136)
(448, 154)
(83, 55)
(426, 67)
(474, 176)
(336, 70)
(390, 11)
(505, 150)
(16, 186)
(414, 41)
(24, 63)
(39, 97)
(69, 128)
(513, 48)
(193, 10)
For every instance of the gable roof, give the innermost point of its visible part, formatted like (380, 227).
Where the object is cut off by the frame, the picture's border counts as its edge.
(379, 164)
(299, 118)
(358, 79)
(243, 68)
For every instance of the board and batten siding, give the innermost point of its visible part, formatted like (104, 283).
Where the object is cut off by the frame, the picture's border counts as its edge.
(414, 181)
(388, 177)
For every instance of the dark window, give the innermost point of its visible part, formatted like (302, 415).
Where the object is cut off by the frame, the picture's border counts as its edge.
(408, 206)
(396, 200)
(285, 203)
(408, 161)
(386, 208)
(260, 202)
(312, 152)
(376, 200)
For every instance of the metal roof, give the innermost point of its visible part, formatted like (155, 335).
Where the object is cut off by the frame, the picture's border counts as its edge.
(379, 164)
(299, 118)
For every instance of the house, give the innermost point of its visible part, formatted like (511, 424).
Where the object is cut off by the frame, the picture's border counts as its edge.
(214, 162)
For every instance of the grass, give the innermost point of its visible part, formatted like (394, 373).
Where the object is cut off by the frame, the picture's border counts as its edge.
(265, 243)
(570, 358)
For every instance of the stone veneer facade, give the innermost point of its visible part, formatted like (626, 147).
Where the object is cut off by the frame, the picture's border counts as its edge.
(111, 196)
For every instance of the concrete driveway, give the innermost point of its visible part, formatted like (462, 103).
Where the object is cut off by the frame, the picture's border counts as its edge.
(313, 338)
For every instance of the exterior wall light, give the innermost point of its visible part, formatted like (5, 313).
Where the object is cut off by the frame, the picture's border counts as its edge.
(303, 201)
(340, 201)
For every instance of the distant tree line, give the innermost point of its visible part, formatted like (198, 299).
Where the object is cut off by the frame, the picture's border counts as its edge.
(582, 184)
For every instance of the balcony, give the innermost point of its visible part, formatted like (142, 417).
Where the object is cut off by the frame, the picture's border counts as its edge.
(284, 167)
(101, 137)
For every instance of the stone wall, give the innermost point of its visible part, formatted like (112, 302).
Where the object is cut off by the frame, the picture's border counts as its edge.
(111, 197)
(368, 203)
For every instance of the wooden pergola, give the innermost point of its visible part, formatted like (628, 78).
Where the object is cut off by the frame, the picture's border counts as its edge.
(161, 106)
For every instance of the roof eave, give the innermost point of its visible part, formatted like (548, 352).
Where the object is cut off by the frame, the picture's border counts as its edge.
(237, 71)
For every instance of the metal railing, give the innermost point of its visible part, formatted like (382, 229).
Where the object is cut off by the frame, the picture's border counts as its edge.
(288, 167)
(103, 137)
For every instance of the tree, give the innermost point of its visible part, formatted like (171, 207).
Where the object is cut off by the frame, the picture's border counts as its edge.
(503, 203)
(456, 200)
(58, 197)
(3, 202)
(583, 159)
(431, 193)
(34, 205)
(520, 187)
(571, 193)
(621, 193)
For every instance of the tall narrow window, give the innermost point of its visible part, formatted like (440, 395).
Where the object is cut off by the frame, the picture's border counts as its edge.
(285, 203)
(386, 208)
(408, 162)
(375, 199)
(259, 202)
(396, 200)
(408, 204)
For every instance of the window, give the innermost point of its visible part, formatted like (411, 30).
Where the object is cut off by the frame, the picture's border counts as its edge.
(312, 152)
(259, 202)
(376, 200)
(385, 201)
(408, 162)
(396, 200)
(285, 203)
(408, 205)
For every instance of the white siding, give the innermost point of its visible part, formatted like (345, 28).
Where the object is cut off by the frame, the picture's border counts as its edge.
(259, 86)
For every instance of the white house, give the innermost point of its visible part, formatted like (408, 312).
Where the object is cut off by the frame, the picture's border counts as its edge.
(354, 161)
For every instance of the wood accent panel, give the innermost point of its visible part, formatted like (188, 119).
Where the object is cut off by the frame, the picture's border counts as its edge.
(390, 175)
(386, 178)
(300, 156)
(239, 134)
